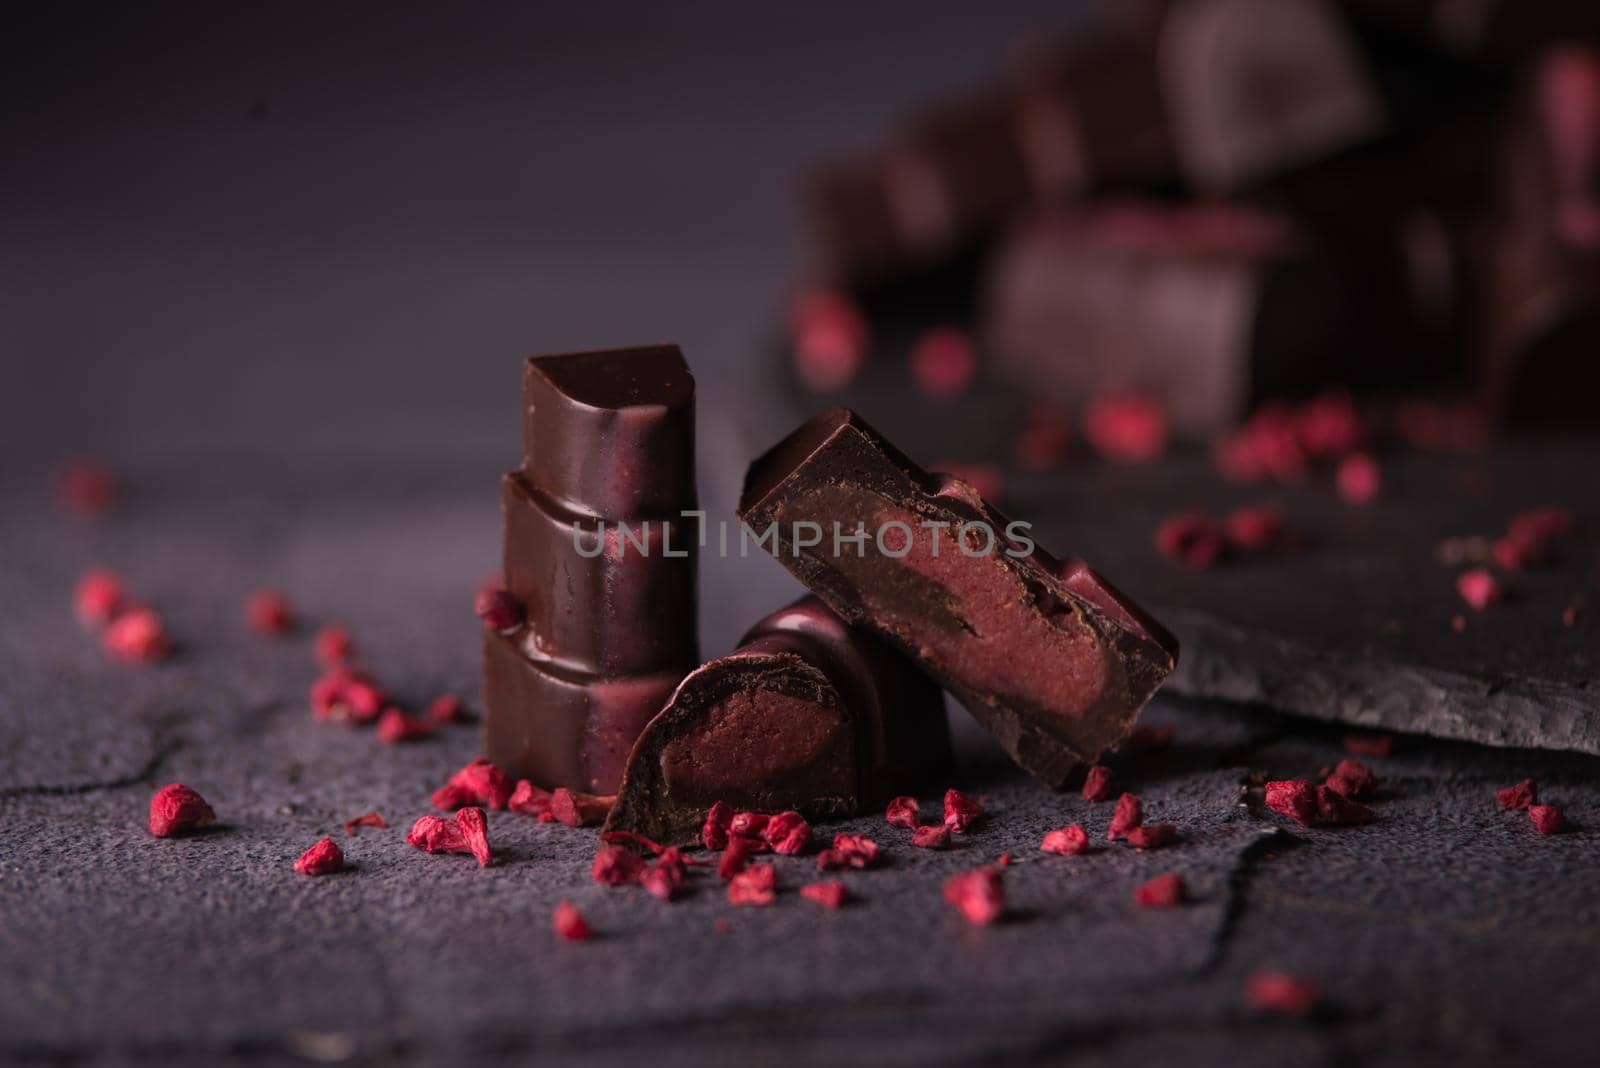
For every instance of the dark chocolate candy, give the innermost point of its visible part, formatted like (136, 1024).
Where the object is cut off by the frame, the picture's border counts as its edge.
(1053, 661)
(807, 714)
(610, 621)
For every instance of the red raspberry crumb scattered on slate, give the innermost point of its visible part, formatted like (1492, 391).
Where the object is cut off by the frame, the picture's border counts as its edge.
(569, 923)
(1191, 538)
(347, 696)
(979, 895)
(448, 708)
(960, 811)
(1127, 429)
(714, 834)
(99, 598)
(1522, 795)
(1328, 425)
(829, 338)
(933, 836)
(1335, 810)
(1293, 798)
(1352, 779)
(1162, 892)
(88, 488)
(467, 833)
(616, 866)
(1152, 835)
(367, 819)
(529, 799)
(849, 851)
(1359, 479)
(830, 894)
(480, 782)
(175, 808)
(1479, 588)
(324, 858)
(1280, 992)
(944, 362)
(787, 833)
(578, 809)
(1547, 819)
(499, 609)
(269, 612)
(1372, 746)
(1512, 555)
(736, 855)
(1129, 814)
(1099, 784)
(1542, 525)
(904, 812)
(755, 885)
(395, 726)
(333, 646)
(475, 833)
(667, 877)
(137, 637)
(1067, 841)
(748, 824)
(1256, 529)
(1264, 447)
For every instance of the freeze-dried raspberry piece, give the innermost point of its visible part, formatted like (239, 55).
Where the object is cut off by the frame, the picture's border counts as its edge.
(960, 811)
(829, 336)
(1127, 429)
(1547, 819)
(830, 894)
(1191, 538)
(529, 799)
(1373, 746)
(1513, 555)
(933, 836)
(99, 597)
(944, 361)
(447, 708)
(569, 923)
(904, 812)
(1266, 446)
(1152, 835)
(755, 885)
(1328, 426)
(715, 831)
(269, 612)
(452, 796)
(1542, 525)
(578, 809)
(368, 819)
(616, 866)
(435, 834)
(979, 895)
(480, 782)
(849, 851)
(1067, 841)
(499, 609)
(333, 646)
(324, 858)
(475, 834)
(395, 726)
(667, 877)
(137, 637)
(787, 833)
(1359, 479)
(1335, 810)
(1280, 992)
(1099, 784)
(1129, 814)
(1352, 779)
(1522, 795)
(748, 824)
(1294, 798)
(175, 808)
(736, 856)
(1162, 892)
(1479, 588)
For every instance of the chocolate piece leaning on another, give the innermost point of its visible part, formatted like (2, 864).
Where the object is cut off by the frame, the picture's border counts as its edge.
(807, 714)
(1053, 661)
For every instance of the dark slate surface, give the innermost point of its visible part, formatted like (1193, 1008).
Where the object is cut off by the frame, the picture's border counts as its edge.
(1447, 930)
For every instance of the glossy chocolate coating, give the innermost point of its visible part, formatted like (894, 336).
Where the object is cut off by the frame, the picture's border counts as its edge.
(807, 714)
(1051, 659)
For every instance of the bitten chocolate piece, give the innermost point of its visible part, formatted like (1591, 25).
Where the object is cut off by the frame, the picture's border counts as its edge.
(807, 714)
(598, 549)
(1051, 659)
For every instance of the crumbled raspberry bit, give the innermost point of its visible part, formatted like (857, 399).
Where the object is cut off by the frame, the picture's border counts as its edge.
(475, 833)
(1547, 819)
(324, 858)
(787, 833)
(943, 362)
(1372, 746)
(88, 488)
(979, 895)
(528, 799)
(849, 851)
(452, 796)
(1266, 446)
(715, 831)
(499, 609)
(1479, 588)
(1328, 426)
(480, 782)
(1192, 539)
(904, 812)
(1067, 841)
(616, 866)
(1522, 795)
(447, 708)
(569, 923)
(830, 894)
(1294, 798)
(1256, 529)
(1359, 479)
(666, 878)
(1162, 892)
(366, 819)
(736, 856)
(748, 824)
(1152, 835)
(175, 808)
(395, 726)
(1127, 429)
(137, 637)
(1099, 784)
(1280, 992)
(1129, 814)
(333, 646)
(435, 834)
(1147, 737)
(269, 612)
(99, 597)
(347, 696)
(1542, 525)
(755, 885)
(933, 836)
(578, 809)
(830, 340)
(960, 811)
(1512, 555)
(1335, 810)
(1352, 779)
